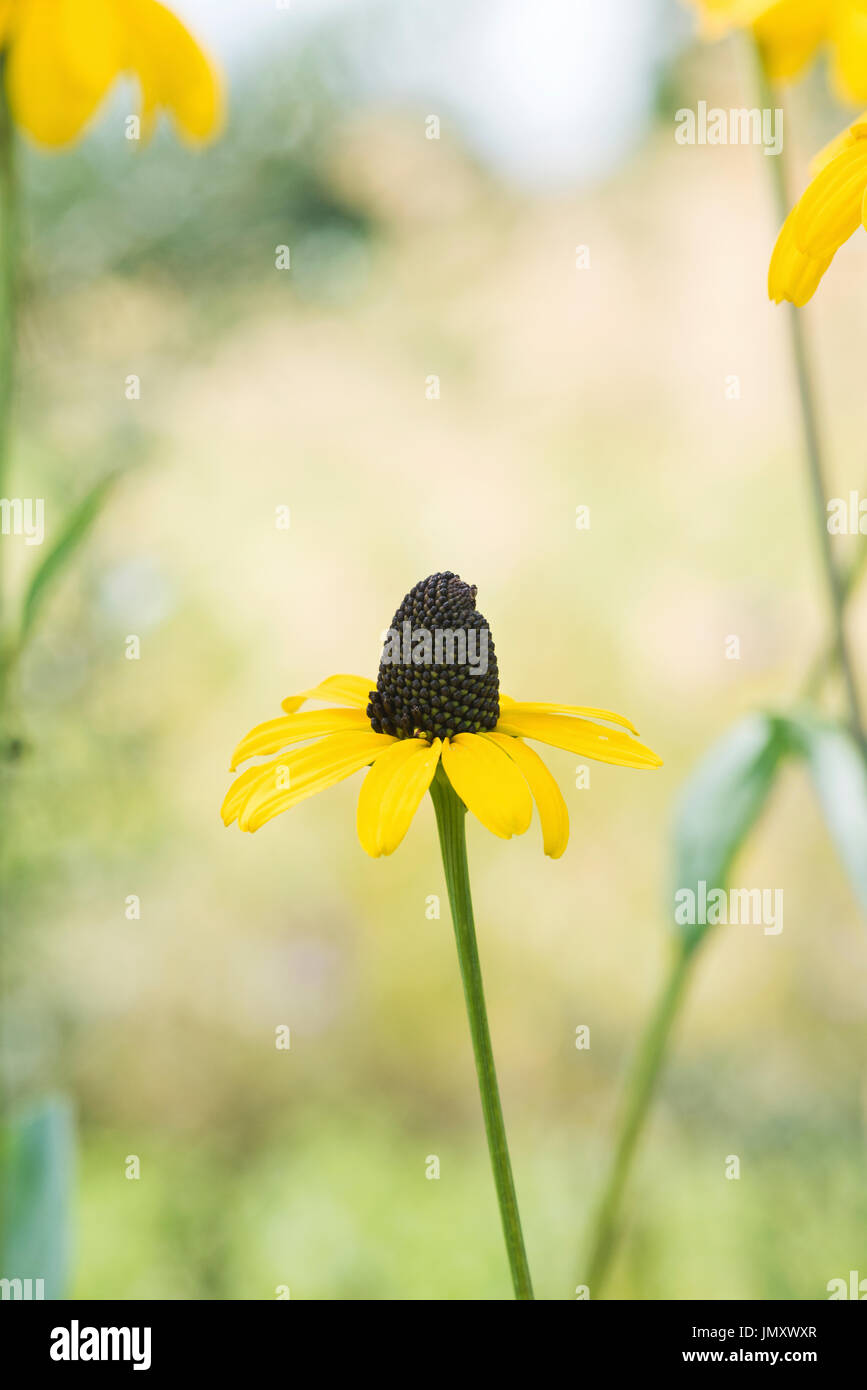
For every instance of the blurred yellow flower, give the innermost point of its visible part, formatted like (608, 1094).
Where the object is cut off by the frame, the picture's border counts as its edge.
(826, 215)
(420, 717)
(62, 56)
(791, 32)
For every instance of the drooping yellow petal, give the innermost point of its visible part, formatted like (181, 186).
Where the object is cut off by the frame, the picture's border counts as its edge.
(63, 58)
(391, 793)
(849, 48)
(343, 690)
(301, 772)
(579, 736)
(834, 147)
(242, 789)
(792, 274)
(829, 211)
(538, 707)
(489, 784)
(827, 214)
(275, 734)
(789, 34)
(174, 73)
(553, 812)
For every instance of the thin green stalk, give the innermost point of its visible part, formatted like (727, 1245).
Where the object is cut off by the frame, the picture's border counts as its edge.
(8, 275)
(8, 279)
(639, 1094)
(654, 1042)
(824, 660)
(771, 99)
(451, 816)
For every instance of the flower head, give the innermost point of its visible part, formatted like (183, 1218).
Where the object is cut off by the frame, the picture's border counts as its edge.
(826, 215)
(436, 704)
(790, 33)
(62, 57)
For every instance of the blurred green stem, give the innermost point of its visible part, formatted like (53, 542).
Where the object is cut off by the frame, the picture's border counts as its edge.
(653, 1046)
(451, 817)
(823, 662)
(8, 275)
(636, 1103)
(8, 272)
(771, 99)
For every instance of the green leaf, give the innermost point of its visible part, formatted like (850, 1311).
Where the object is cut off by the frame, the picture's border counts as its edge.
(36, 1166)
(837, 766)
(75, 529)
(720, 804)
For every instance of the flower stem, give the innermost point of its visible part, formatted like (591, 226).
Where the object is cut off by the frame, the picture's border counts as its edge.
(639, 1094)
(654, 1043)
(8, 274)
(836, 585)
(451, 816)
(8, 277)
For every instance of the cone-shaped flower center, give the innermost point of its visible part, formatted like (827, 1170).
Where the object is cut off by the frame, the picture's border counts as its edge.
(438, 673)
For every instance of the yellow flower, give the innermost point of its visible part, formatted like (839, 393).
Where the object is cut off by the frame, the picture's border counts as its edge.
(830, 210)
(417, 718)
(791, 32)
(62, 56)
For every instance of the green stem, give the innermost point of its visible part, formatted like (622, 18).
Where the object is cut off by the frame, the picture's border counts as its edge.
(8, 275)
(639, 1094)
(770, 99)
(654, 1043)
(451, 816)
(824, 660)
(8, 278)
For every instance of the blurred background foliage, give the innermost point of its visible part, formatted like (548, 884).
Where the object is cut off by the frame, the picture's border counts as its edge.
(560, 387)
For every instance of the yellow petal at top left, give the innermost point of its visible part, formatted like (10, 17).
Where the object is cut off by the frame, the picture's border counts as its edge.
(64, 55)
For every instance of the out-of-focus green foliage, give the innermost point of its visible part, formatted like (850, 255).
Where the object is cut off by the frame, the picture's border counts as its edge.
(37, 1174)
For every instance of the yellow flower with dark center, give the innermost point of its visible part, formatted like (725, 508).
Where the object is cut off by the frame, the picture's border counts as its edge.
(790, 33)
(426, 713)
(63, 56)
(831, 209)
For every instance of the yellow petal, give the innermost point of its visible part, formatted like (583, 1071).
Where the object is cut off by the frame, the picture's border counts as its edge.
(830, 209)
(343, 690)
(719, 16)
(536, 707)
(6, 11)
(579, 736)
(302, 772)
(849, 62)
(242, 789)
(789, 34)
(792, 274)
(173, 71)
(64, 56)
(275, 734)
(489, 784)
(834, 147)
(553, 812)
(391, 793)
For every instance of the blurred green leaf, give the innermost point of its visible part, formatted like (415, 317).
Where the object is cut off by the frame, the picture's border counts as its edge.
(839, 772)
(74, 531)
(36, 1162)
(721, 802)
